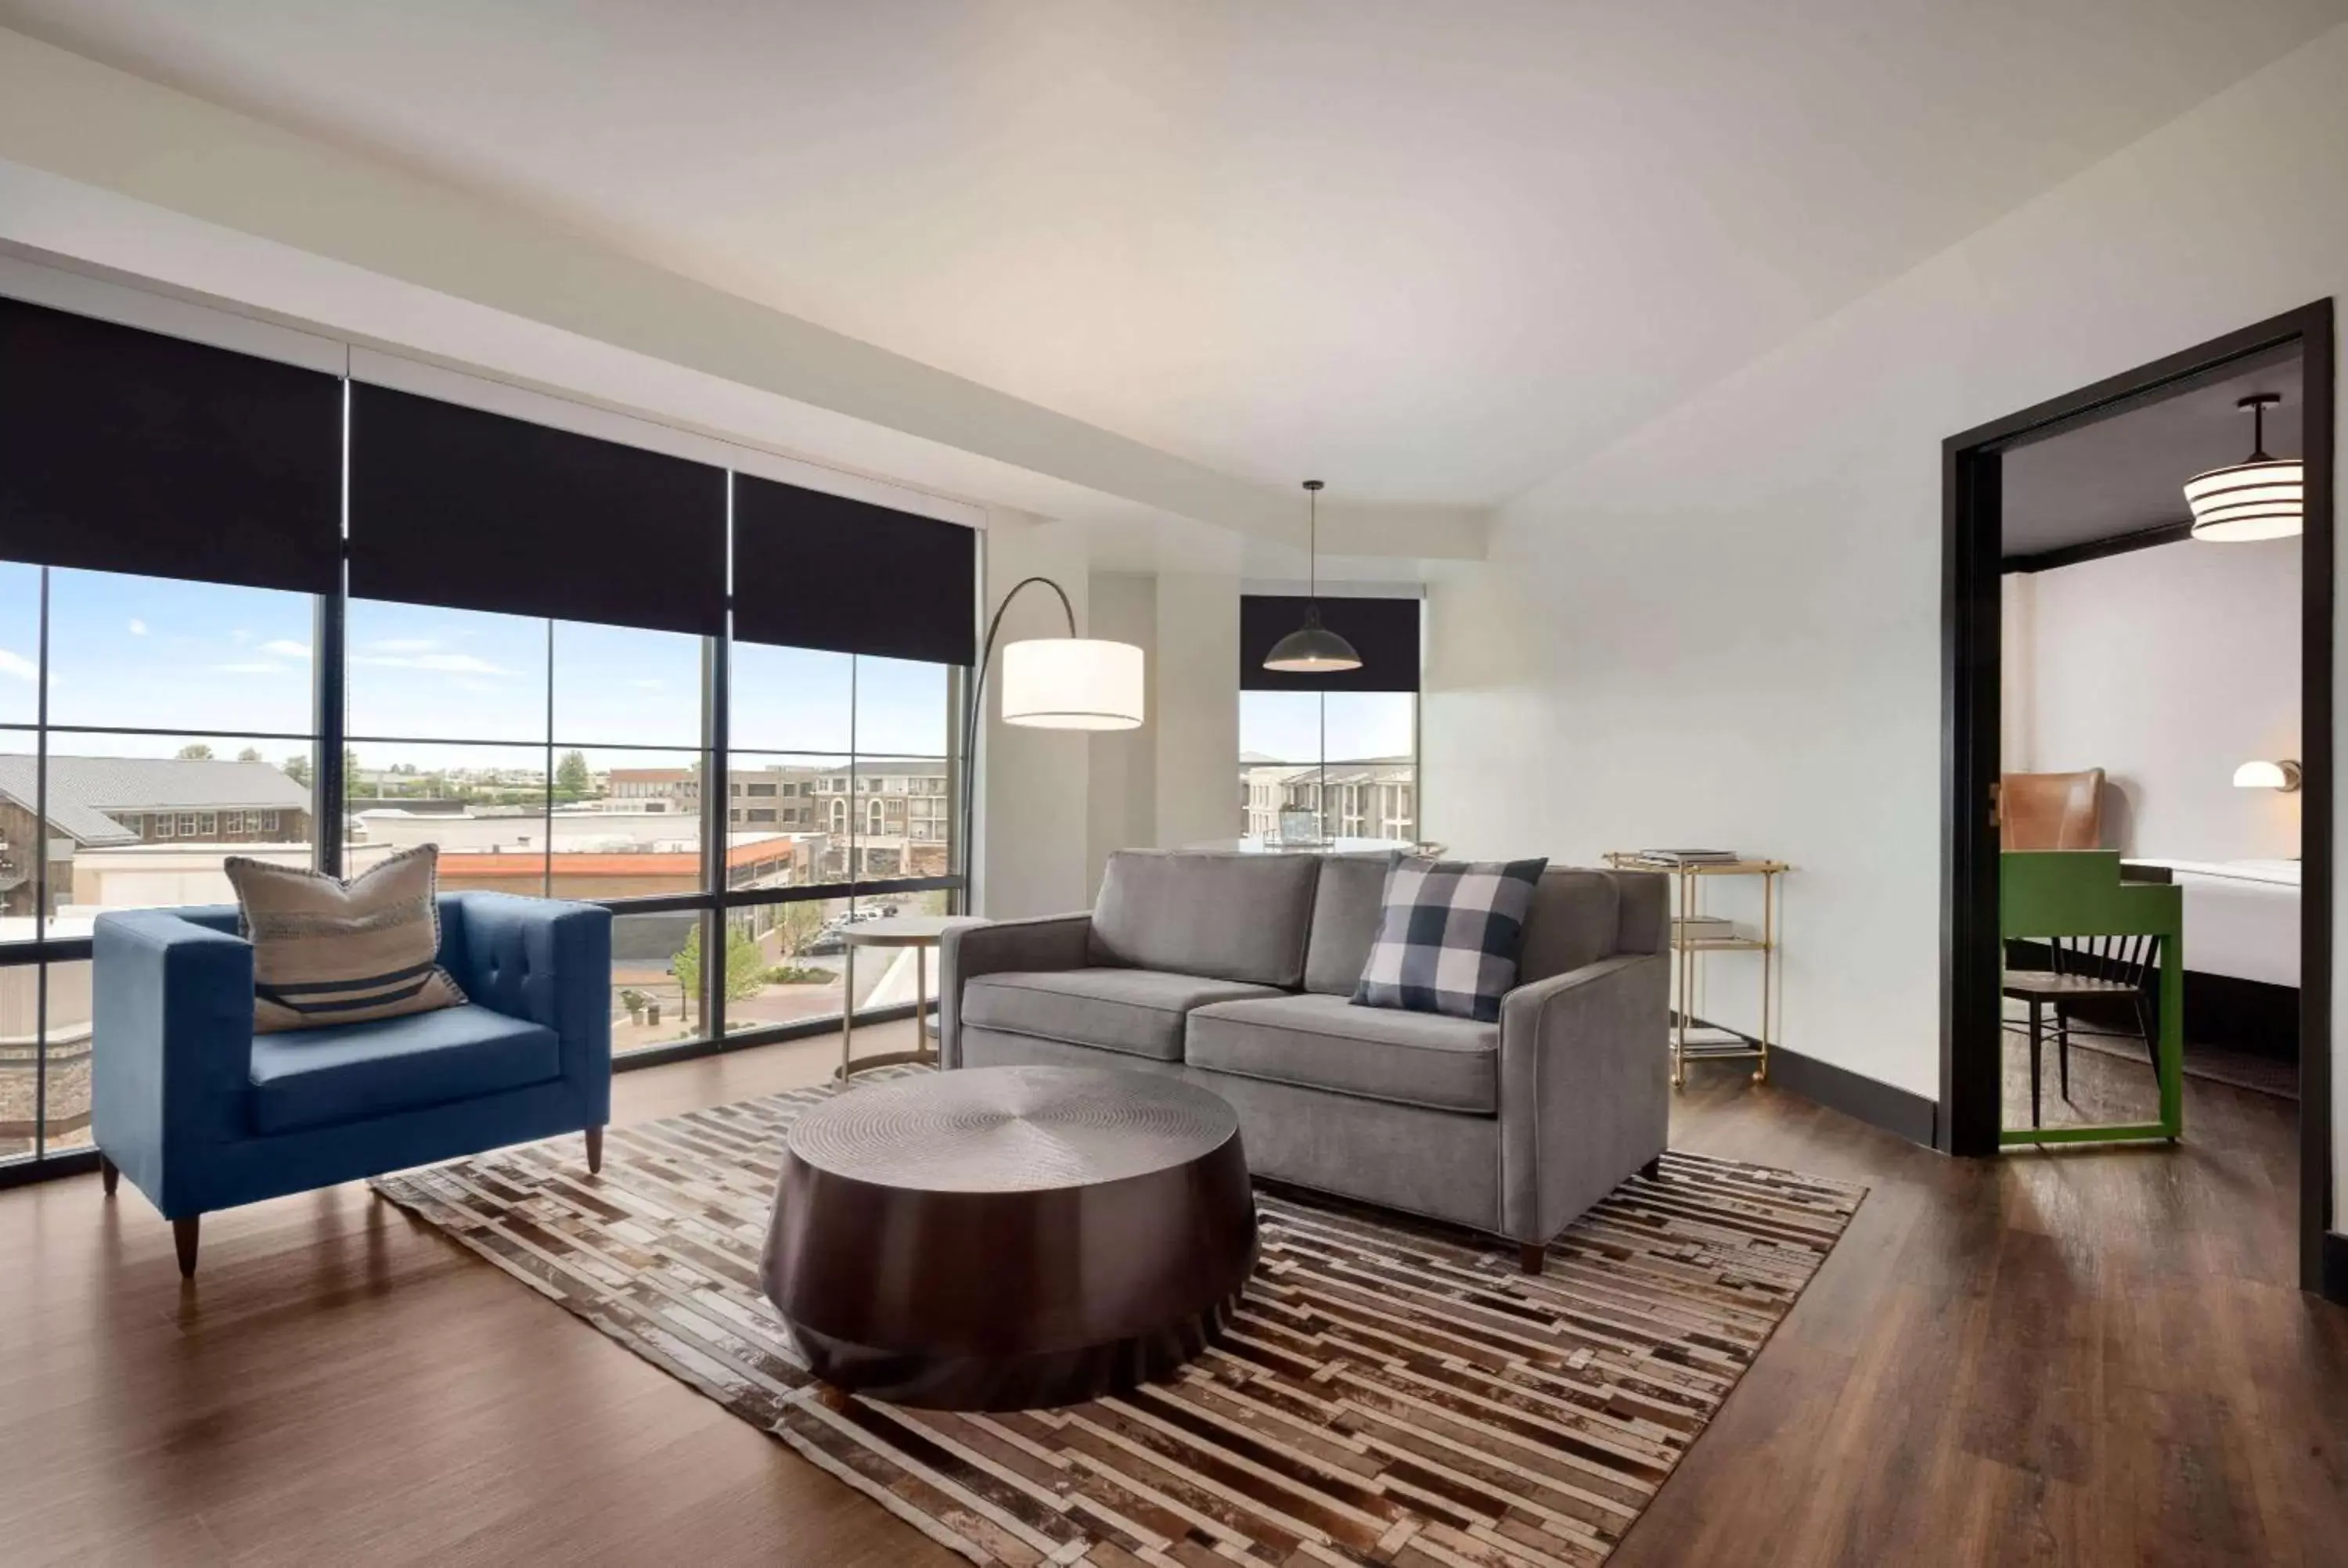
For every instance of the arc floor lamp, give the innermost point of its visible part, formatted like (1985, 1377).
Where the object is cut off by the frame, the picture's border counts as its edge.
(1068, 682)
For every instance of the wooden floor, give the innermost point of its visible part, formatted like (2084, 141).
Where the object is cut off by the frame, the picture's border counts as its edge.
(2080, 1357)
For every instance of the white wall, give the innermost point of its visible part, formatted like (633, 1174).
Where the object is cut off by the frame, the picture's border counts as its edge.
(1195, 694)
(1726, 627)
(1174, 780)
(1122, 810)
(2165, 668)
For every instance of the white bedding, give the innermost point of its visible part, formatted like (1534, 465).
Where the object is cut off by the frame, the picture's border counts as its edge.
(2242, 917)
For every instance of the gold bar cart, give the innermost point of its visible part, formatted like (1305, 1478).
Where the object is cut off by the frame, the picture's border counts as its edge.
(1691, 1039)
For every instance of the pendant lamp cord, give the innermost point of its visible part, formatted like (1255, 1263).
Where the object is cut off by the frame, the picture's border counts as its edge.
(2258, 434)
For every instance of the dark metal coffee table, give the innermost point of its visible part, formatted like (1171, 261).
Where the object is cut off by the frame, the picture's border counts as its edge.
(1009, 1237)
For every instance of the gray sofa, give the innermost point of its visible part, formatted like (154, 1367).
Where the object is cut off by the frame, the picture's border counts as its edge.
(1235, 971)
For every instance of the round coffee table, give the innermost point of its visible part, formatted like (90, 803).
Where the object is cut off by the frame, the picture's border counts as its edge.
(1003, 1238)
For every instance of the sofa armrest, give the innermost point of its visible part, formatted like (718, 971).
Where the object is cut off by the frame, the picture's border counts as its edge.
(549, 962)
(1585, 1088)
(966, 952)
(171, 1049)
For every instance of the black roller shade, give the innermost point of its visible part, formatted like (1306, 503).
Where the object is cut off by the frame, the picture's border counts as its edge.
(1384, 631)
(123, 450)
(812, 570)
(453, 506)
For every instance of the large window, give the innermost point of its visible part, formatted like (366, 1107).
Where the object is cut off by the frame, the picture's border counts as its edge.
(838, 773)
(1330, 755)
(526, 663)
(148, 729)
(1332, 764)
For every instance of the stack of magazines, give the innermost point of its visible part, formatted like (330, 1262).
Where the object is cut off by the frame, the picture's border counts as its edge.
(1680, 857)
(1703, 929)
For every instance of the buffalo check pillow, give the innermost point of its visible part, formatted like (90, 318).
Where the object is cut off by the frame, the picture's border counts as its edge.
(1448, 935)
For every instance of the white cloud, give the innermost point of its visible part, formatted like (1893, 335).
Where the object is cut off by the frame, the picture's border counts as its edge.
(443, 664)
(17, 665)
(137, 627)
(252, 669)
(284, 648)
(405, 644)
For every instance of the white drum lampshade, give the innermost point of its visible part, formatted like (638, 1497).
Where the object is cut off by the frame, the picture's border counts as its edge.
(2262, 498)
(1072, 683)
(2249, 501)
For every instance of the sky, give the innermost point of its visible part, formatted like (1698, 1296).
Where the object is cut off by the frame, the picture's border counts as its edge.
(1360, 726)
(216, 663)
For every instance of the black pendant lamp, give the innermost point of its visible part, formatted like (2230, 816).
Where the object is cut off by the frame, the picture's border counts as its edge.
(1313, 648)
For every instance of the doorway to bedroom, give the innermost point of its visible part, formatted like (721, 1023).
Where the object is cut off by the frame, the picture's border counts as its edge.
(2150, 707)
(2138, 826)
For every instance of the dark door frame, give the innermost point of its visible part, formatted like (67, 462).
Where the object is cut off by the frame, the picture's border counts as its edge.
(1971, 1065)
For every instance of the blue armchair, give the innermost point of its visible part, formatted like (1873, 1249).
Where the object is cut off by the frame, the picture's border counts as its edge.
(201, 1113)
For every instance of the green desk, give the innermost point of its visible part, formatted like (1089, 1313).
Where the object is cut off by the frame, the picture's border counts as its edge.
(2047, 893)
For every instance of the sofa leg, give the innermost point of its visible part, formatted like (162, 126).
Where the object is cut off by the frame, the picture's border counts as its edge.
(108, 1173)
(594, 1150)
(1653, 1169)
(183, 1242)
(1530, 1256)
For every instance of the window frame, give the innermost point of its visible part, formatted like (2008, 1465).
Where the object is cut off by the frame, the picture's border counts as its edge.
(327, 734)
(1334, 805)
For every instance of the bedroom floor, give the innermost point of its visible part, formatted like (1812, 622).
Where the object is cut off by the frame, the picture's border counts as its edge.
(2086, 1356)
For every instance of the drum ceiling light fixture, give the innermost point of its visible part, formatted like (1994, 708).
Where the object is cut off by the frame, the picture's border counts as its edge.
(2260, 497)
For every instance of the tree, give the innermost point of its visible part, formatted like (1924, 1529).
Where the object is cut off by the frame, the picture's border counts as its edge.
(297, 768)
(746, 966)
(195, 752)
(570, 774)
(250, 754)
(797, 926)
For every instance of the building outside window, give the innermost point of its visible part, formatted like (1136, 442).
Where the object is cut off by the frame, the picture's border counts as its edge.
(1348, 758)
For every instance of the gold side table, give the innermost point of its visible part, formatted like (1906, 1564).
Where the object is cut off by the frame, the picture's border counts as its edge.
(918, 932)
(1692, 1040)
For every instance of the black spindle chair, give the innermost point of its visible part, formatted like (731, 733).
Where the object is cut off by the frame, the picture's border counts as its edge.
(2084, 968)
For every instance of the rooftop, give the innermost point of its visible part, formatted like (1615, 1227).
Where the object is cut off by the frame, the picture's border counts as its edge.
(83, 791)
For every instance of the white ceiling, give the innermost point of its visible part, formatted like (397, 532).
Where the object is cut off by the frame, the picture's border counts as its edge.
(1432, 253)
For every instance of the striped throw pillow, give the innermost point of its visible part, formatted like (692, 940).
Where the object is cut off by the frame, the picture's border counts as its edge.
(327, 951)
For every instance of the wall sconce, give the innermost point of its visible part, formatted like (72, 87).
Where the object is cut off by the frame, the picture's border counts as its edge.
(2282, 776)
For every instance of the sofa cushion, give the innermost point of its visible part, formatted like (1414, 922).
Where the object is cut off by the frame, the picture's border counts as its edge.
(1136, 1011)
(1228, 917)
(1347, 899)
(349, 1071)
(1374, 1053)
(1573, 922)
